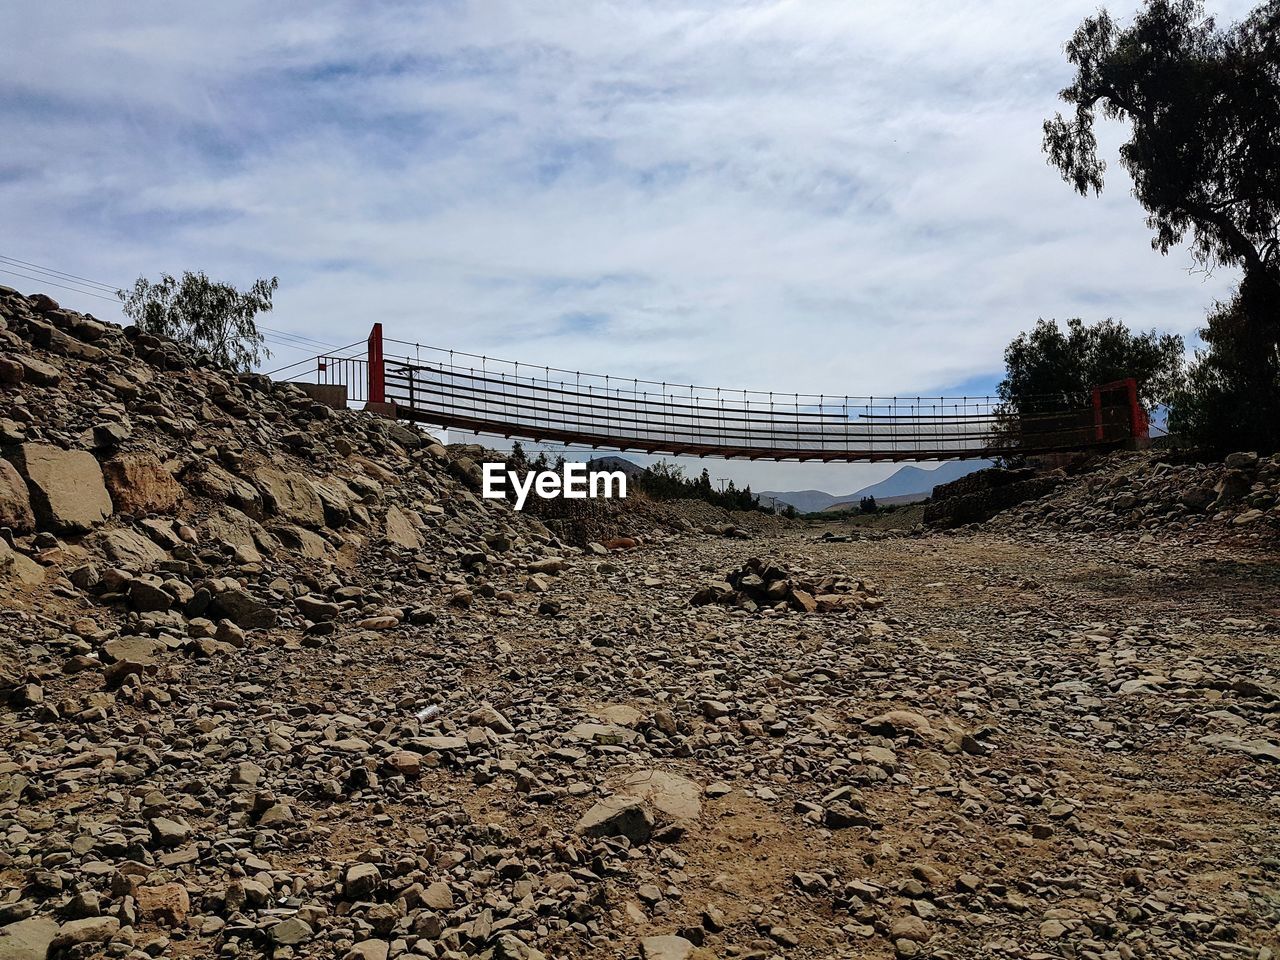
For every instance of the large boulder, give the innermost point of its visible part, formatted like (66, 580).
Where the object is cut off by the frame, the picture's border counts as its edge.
(290, 496)
(38, 372)
(128, 549)
(217, 484)
(66, 486)
(15, 502)
(237, 529)
(671, 796)
(74, 933)
(20, 567)
(28, 939)
(244, 610)
(139, 484)
(400, 530)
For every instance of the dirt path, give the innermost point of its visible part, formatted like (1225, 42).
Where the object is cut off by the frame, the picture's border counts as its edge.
(1034, 748)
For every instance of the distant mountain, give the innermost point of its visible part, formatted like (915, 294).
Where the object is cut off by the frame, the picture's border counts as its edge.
(611, 463)
(915, 480)
(907, 482)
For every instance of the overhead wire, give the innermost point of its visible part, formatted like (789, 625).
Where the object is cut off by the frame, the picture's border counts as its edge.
(61, 286)
(77, 284)
(58, 273)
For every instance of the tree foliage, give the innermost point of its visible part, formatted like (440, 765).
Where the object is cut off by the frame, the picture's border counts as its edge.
(1203, 110)
(1049, 369)
(215, 318)
(1202, 106)
(1231, 399)
(666, 481)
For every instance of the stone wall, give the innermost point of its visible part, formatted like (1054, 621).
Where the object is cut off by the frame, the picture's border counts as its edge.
(981, 495)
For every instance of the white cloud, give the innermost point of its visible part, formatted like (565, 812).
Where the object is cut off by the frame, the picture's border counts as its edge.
(846, 197)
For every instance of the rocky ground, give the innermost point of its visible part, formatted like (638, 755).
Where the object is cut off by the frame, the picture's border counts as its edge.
(279, 685)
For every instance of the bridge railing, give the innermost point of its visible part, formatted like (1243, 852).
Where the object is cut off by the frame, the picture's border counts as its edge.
(488, 395)
(485, 395)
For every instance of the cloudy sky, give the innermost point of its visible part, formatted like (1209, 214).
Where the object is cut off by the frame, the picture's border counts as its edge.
(846, 197)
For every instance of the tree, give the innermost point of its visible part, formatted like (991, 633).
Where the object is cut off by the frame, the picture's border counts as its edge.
(867, 504)
(212, 317)
(1048, 370)
(1232, 393)
(1203, 109)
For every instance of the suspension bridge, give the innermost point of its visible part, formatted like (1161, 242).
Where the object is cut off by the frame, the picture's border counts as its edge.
(452, 389)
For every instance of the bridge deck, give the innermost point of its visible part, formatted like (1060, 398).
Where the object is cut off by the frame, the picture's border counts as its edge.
(542, 404)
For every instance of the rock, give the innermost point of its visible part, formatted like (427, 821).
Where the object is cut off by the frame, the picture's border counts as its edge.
(1241, 461)
(673, 797)
(38, 372)
(896, 722)
(405, 762)
(439, 744)
(714, 709)
(1258, 749)
(620, 715)
(400, 531)
(289, 496)
(666, 948)
(128, 655)
(547, 565)
(603, 733)
(438, 896)
(291, 932)
(66, 486)
(278, 816)
(139, 484)
(166, 904)
(362, 880)
(127, 549)
(146, 595)
(15, 503)
(487, 716)
(803, 600)
(28, 939)
(909, 927)
(167, 833)
(244, 610)
(618, 817)
(246, 774)
(89, 930)
(11, 371)
(317, 608)
(369, 950)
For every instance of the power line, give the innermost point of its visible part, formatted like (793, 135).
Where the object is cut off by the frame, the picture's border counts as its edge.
(301, 337)
(61, 286)
(58, 273)
(299, 341)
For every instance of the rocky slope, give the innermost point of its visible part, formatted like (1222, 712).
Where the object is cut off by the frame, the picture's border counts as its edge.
(279, 685)
(1136, 492)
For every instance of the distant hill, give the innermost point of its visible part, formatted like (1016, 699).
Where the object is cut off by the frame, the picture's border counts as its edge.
(911, 482)
(611, 463)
